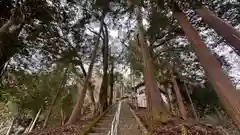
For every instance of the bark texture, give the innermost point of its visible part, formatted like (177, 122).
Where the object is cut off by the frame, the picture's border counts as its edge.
(222, 85)
(103, 95)
(155, 102)
(111, 82)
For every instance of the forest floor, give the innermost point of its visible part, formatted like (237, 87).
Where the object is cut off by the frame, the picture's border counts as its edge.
(73, 129)
(63, 130)
(175, 126)
(179, 127)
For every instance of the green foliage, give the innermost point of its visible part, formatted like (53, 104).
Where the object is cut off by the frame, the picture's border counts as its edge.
(63, 33)
(30, 91)
(40, 10)
(67, 103)
(205, 99)
(158, 22)
(133, 56)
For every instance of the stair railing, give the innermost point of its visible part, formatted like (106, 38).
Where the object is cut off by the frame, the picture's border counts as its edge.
(115, 122)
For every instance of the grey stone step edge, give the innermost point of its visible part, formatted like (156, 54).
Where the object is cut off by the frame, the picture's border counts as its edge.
(139, 122)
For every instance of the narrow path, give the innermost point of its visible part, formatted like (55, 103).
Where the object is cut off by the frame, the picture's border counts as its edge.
(127, 122)
(103, 126)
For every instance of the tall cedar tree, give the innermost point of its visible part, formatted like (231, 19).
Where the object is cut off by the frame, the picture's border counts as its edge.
(222, 85)
(155, 102)
(103, 95)
(221, 27)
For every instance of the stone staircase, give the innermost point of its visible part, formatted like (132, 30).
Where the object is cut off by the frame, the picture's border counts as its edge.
(103, 126)
(127, 122)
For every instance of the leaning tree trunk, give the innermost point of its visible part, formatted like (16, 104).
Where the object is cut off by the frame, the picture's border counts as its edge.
(91, 94)
(155, 102)
(222, 85)
(221, 27)
(28, 127)
(111, 82)
(62, 117)
(78, 106)
(167, 103)
(90, 90)
(181, 106)
(104, 86)
(11, 126)
(35, 120)
(63, 81)
(191, 102)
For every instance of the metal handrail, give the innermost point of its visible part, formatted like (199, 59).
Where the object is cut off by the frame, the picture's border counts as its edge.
(112, 126)
(139, 122)
(115, 122)
(88, 128)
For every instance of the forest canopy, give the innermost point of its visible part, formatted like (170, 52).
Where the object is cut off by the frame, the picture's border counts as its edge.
(68, 59)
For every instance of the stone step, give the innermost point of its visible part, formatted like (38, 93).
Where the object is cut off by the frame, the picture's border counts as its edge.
(105, 121)
(126, 120)
(100, 130)
(105, 125)
(107, 118)
(109, 115)
(130, 116)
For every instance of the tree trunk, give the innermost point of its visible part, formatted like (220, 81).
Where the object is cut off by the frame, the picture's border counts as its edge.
(104, 86)
(181, 106)
(35, 120)
(11, 126)
(134, 89)
(155, 102)
(90, 90)
(221, 27)
(222, 85)
(5, 28)
(167, 104)
(191, 102)
(27, 129)
(9, 39)
(8, 46)
(78, 106)
(170, 100)
(55, 98)
(62, 116)
(111, 82)
(15, 19)
(91, 94)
